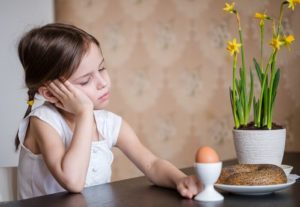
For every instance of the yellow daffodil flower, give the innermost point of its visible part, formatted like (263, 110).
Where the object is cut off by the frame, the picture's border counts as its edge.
(288, 40)
(229, 7)
(233, 47)
(292, 3)
(276, 43)
(262, 17)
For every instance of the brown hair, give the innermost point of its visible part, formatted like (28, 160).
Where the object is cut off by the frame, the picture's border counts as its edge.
(50, 52)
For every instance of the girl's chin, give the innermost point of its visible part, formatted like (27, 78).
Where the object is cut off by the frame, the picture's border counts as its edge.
(101, 105)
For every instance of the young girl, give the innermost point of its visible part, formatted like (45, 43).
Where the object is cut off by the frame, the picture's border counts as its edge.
(66, 142)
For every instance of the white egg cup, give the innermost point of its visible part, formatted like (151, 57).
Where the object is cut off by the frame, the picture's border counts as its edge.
(208, 174)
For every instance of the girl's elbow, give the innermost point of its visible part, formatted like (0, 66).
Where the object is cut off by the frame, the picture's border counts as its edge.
(74, 186)
(75, 189)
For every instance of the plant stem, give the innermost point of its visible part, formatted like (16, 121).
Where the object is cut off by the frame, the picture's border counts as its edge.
(273, 65)
(263, 89)
(243, 78)
(261, 44)
(280, 18)
(269, 124)
(236, 121)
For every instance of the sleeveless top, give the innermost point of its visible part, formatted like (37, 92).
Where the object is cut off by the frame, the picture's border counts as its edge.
(34, 178)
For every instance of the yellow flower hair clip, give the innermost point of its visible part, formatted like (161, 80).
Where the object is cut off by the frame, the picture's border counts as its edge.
(30, 103)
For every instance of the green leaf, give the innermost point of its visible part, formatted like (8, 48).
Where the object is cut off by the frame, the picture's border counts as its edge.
(241, 73)
(258, 71)
(236, 121)
(264, 110)
(240, 111)
(238, 86)
(255, 109)
(266, 113)
(231, 99)
(242, 87)
(251, 94)
(275, 86)
(263, 76)
(242, 99)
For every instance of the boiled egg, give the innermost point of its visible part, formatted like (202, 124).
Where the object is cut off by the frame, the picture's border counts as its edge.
(206, 155)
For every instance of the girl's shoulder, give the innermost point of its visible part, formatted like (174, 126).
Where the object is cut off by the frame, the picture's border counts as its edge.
(47, 113)
(45, 109)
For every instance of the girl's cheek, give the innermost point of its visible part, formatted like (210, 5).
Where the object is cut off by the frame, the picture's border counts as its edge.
(108, 82)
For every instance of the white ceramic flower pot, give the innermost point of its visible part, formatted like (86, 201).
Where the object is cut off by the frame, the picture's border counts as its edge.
(259, 146)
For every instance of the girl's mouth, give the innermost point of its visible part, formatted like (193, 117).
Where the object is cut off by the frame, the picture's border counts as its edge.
(104, 96)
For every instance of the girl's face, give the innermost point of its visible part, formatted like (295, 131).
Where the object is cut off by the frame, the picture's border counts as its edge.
(92, 78)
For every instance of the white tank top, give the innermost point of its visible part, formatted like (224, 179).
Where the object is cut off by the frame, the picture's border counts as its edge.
(34, 178)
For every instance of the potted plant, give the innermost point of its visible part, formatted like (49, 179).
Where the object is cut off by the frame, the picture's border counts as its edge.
(261, 140)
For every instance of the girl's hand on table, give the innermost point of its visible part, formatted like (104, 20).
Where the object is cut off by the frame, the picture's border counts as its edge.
(189, 186)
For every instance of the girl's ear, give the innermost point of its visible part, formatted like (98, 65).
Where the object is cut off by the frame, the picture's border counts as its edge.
(44, 91)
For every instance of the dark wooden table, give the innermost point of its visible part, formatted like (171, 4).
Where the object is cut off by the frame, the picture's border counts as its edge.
(139, 192)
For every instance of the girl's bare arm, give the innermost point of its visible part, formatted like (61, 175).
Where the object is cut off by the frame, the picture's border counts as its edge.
(160, 172)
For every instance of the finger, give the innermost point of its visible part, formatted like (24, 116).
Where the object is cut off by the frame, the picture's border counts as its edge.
(184, 192)
(69, 86)
(188, 194)
(65, 91)
(191, 185)
(59, 105)
(55, 90)
(180, 187)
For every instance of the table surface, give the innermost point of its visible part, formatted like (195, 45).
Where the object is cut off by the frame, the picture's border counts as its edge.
(140, 192)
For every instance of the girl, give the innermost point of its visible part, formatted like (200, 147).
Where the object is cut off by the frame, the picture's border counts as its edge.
(66, 142)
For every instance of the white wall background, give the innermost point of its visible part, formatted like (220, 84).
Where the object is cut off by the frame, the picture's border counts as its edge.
(16, 17)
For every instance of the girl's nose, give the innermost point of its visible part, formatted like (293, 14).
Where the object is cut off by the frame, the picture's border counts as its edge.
(100, 81)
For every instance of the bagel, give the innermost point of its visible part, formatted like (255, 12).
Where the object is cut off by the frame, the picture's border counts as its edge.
(252, 174)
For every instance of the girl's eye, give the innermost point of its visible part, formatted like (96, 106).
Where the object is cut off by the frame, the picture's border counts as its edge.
(85, 82)
(101, 69)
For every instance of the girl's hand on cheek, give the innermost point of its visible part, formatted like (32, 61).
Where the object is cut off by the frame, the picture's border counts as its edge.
(189, 186)
(69, 97)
